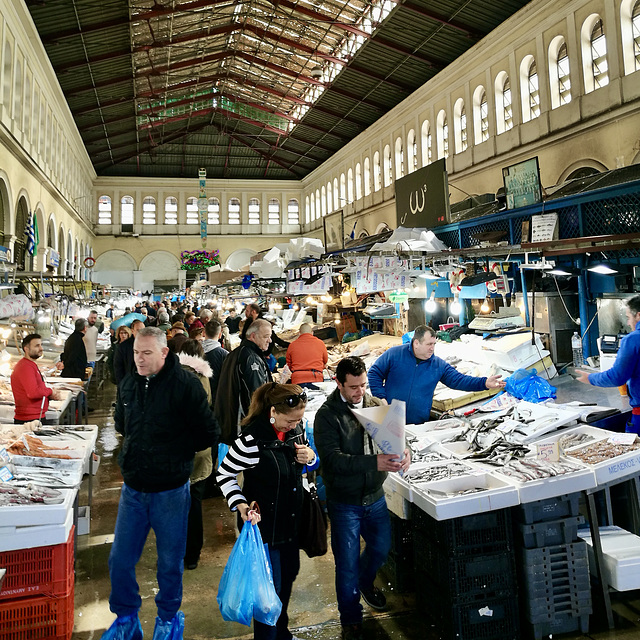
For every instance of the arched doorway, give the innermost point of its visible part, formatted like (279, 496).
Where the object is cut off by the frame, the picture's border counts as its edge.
(20, 254)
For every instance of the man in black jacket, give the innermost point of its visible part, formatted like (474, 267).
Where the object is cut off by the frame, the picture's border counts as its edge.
(123, 359)
(74, 356)
(353, 471)
(243, 371)
(214, 354)
(164, 415)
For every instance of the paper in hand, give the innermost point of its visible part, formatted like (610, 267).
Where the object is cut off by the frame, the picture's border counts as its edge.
(385, 425)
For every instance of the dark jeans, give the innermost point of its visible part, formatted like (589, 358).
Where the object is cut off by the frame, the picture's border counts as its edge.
(633, 426)
(285, 565)
(194, 530)
(355, 570)
(166, 513)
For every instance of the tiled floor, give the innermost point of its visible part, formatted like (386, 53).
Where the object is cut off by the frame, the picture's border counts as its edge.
(313, 610)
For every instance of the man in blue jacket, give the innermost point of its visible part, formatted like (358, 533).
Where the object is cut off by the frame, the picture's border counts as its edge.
(626, 368)
(410, 372)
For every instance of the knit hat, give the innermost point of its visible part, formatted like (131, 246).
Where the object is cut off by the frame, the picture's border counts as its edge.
(178, 325)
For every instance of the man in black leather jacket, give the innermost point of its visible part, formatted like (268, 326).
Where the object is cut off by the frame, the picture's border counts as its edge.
(164, 415)
(353, 471)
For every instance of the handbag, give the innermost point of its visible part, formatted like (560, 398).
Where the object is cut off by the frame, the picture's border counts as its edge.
(313, 524)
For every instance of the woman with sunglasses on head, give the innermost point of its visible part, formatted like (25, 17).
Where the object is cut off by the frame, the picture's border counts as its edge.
(271, 452)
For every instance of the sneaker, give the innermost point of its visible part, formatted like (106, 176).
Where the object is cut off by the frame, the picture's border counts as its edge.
(374, 598)
(352, 632)
(169, 629)
(124, 628)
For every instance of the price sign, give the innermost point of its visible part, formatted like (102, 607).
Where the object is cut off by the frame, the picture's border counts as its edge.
(623, 438)
(549, 452)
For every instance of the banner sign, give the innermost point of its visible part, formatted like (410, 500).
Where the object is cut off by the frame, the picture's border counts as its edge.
(203, 205)
(380, 273)
(422, 197)
(308, 280)
(5, 254)
(53, 258)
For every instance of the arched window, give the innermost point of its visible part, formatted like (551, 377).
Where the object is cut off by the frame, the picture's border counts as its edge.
(377, 175)
(307, 210)
(254, 211)
(192, 211)
(358, 181)
(213, 212)
(426, 143)
(17, 94)
(412, 151)
(171, 210)
(329, 198)
(388, 166)
(350, 185)
(367, 177)
(480, 115)
(559, 79)
(318, 213)
(6, 68)
(126, 210)
(630, 31)
(149, 210)
(460, 126)
(323, 200)
(529, 89)
(27, 110)
(293, 212)
(336, 195)
(442, 135)
(594, 54)
(104, 210)
(273, 211)
(399, 159)
(504, 109)
(233, 211)
(343, 190)
(313, 208)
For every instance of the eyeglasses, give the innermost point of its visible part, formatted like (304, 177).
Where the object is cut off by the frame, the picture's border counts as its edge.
(294, 400)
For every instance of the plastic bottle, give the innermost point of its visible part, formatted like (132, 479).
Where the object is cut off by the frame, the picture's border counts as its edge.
(576, 348)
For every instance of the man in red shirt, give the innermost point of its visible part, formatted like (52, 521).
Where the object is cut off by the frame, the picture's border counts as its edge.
(30, 393)
(307, 357)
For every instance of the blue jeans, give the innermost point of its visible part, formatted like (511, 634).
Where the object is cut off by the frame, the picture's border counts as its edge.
(285, 565)
(166, 512)
(355, 570)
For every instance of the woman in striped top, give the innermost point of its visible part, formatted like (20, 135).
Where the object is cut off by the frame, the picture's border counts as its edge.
(271, 453)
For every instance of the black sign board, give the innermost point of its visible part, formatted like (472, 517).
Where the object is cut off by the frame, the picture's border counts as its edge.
(422, 197)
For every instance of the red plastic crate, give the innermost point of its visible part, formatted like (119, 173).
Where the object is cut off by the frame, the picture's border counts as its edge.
(37, 618)
(38, 571)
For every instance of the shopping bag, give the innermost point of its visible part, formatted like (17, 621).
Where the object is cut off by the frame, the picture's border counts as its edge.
(527, 385)
(246, 588)
(313, 524)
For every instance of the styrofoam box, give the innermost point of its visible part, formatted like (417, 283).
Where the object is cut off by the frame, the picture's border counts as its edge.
(598, 434)
(621, 554)
(397, 503)
(13, 538)
(563, 416)
(498, 495)
(513, 351)
(473, 471)
(21, 515)
(84, 520)
(73, 448)
(550, 487)
(628, 464)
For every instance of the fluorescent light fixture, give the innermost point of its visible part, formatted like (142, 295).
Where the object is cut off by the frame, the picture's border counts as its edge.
(603, 269)
(561, 271)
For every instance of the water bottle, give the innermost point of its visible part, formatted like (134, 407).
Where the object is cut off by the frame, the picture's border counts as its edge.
(576, 348)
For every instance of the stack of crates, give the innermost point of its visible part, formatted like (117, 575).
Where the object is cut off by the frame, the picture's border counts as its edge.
(398, 570)
(36, 601)
(554, 578)
(465, 576)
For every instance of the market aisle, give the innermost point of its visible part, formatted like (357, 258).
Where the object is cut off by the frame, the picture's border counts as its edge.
(313, 610)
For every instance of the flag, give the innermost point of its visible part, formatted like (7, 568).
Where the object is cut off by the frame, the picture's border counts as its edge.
(31, 232)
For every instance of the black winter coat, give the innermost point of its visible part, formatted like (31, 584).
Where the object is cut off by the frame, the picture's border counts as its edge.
(349, 475)
(74, 357)
(164, 420)
(123, 359)
(276, 482)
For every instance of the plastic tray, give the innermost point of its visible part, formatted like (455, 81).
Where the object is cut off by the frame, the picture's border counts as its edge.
(569, 582)
(561, 506)
(560, 623)
(549, 533)
(28, 514)
(539, 609)
(37, 618)
(12, 538)
(628, 464)
(41, 570)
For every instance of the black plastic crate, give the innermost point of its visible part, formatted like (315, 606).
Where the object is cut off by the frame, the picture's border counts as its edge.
(482, 532)
(461, 578)
(494, 618)
(578, 603)
(549, 509)
(561, 623)
(401, 537)
(399, 572)
(548, 560)
(574, 582)
(549, 532)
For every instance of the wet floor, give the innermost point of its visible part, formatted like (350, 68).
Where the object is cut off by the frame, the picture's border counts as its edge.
(313, 610)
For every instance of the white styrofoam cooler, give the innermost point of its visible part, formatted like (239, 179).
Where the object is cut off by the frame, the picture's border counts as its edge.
(23, 515)
(28, 537)
(621, 554)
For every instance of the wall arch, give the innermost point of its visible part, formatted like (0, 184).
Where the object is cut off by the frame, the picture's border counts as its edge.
(115, 260)
(585, 162)
(5, 207)
(239, 258)
(162, 263)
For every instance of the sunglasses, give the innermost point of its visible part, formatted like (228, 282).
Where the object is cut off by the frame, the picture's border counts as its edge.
(294, 400)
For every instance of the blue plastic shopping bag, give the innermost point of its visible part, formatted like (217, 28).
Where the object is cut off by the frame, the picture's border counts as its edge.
(246, 588)
(529, 386)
